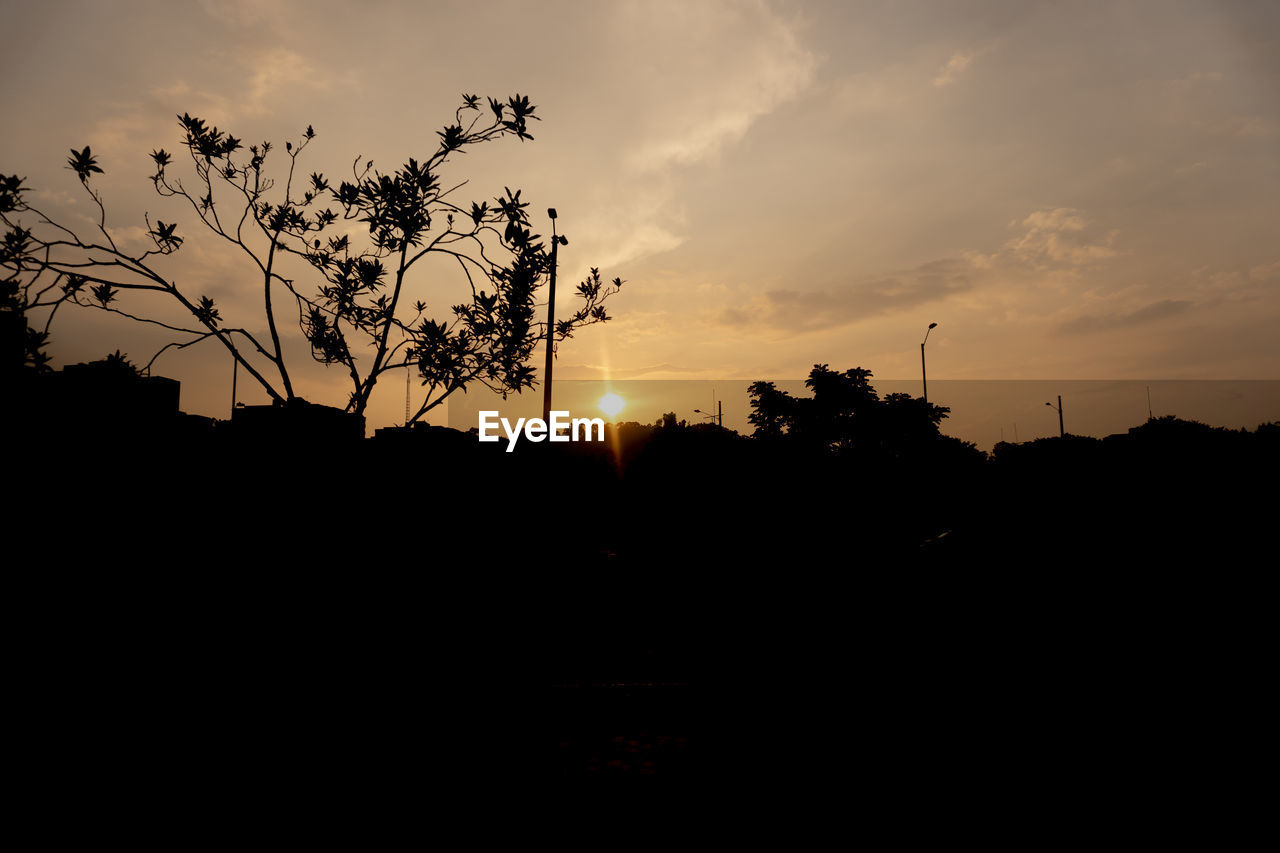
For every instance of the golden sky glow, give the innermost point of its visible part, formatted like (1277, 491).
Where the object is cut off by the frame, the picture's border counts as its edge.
(1070, 190)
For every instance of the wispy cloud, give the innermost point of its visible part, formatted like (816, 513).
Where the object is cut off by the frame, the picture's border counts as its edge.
(600, 371)
(956, 65)
(1055, 244)
(637, 220)
(1059, 237)
(274, 73)
(1125, 319)
(804, 311)
(724, 66)
(249, 13)
(739, 62)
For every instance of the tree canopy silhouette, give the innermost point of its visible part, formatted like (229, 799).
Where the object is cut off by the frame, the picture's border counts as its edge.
(845, 414)
(356, 307)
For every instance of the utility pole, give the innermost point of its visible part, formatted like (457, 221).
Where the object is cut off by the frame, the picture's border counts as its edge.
(1062, 433)
(924, 381)
(556, 242)
(716, 417)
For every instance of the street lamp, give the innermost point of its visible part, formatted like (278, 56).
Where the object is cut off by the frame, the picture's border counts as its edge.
(924, 381)
(556, 242)
(708, 416)
(1062, 433)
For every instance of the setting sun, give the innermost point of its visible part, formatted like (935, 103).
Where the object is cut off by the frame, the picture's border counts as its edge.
(611, 404)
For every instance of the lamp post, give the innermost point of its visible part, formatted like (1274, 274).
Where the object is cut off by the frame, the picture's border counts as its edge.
(1062, 433)
(556, 242)
(924, 380)
(713, 418)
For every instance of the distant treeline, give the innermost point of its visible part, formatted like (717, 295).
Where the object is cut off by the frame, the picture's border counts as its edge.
(843, 477)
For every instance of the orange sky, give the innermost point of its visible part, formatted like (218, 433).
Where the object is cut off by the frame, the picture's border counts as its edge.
(1071, 191)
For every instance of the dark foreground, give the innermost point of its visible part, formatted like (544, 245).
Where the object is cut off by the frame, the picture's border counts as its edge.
(271, 615)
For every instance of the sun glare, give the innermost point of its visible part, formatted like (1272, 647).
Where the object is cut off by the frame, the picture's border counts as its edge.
(611, 404)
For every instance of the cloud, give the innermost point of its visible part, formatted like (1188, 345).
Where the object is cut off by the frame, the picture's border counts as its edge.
(1265, 272)
(275, 70)
(133, 128)
(597, 371)
(1059, 237)
(874, 91)
(249, 14)
(805, 311)
(1236, 285)
(723, 66)
(1106, 322)
(1244, 126)
(736, 63)
(126, 134)
(634, 222)
(1055, 244)
(956, 65)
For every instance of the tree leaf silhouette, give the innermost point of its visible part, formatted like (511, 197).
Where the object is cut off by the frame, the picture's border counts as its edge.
(83, 163)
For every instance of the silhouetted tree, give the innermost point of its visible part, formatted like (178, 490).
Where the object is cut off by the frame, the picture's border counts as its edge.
(670, 421)
(23, 346)
(355, 308)
(844, 414)
(772, 411)
(116, 363)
